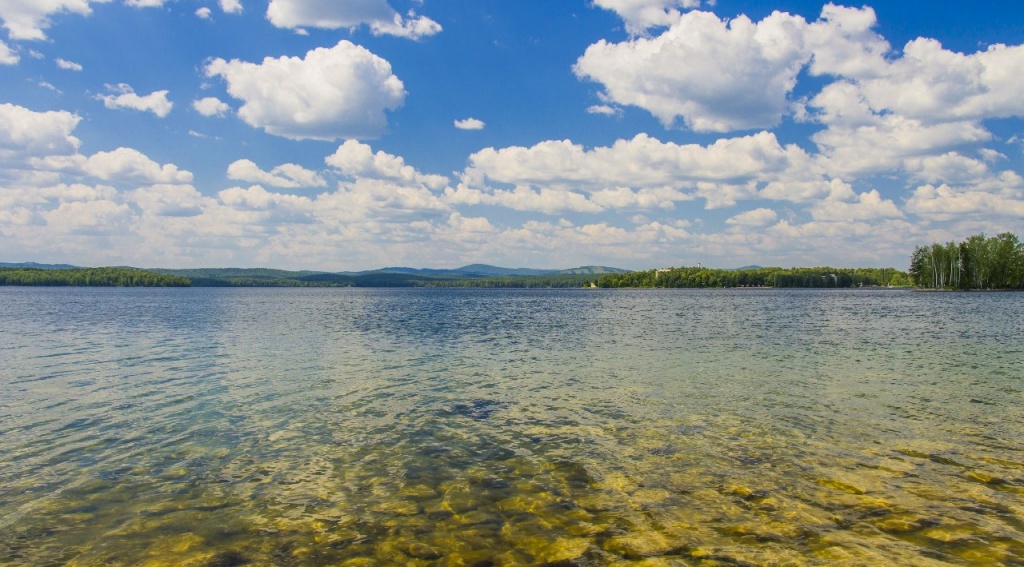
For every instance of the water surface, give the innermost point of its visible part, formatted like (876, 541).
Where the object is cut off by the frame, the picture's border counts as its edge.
(486, 427)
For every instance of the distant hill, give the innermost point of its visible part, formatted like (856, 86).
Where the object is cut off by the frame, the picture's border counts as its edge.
(473, 275)
(593, 270)
(488, 271)
(37, 266)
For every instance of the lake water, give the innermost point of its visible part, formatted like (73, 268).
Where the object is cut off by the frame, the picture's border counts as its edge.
(221, 427)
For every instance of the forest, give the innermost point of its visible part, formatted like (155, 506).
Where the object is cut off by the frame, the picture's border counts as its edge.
(97, 277)
(978, 262)
(698, 277)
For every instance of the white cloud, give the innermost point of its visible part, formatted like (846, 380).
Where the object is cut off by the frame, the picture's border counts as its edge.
(910, 112)
(991, 155)
(329, 14)
(357, 160)
(848, 206)
(524, 198)
(124, 97)
(8, 56)
(145, 3)
(169, 200)
(930, 83)
(946, 168)
(737, 74)
(639, 162)
(470, 124)
(27, 20)
(754, 218)
(888, 140)
(122, 164)
(25, 133)
(211, 106)
(231, 6)
(68, 65)
(946, 203)
(288, 175)
(641, 15)
(89, 217)
(604, 109)
(204, 13)
(331, 93)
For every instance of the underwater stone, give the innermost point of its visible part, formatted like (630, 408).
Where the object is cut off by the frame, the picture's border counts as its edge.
(418, 492)
(901, 523)
(565, 549)
(397, 507)
(650, 496)
(602, 501)
(640, 545)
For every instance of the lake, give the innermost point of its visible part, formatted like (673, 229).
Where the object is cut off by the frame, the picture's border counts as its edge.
(221, 427)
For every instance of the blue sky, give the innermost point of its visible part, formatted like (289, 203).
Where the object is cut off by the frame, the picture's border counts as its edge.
(321, 134)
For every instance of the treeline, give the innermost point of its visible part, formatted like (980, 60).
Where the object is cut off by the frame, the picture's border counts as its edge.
(976, 263)
(93, 277)
(551, 281)
(698, 277)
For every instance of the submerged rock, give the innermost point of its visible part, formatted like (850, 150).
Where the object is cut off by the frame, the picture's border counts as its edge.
(639, 545)
(564, 549)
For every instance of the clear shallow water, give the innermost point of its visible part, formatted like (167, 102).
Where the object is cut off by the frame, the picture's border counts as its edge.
(218, 427)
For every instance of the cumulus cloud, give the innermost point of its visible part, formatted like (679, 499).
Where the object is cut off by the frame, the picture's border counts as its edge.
(27, 20)
(947, 203)
(888, 140)
(125, 97)
(211, 106)
(25, 133)
(738, 74)
(641, 15)
(287, 175)
(331, 93)
(604, 109)
(163, 200)
(121, 164)
(931, 83)
(951, 167)
(358, 160)
(7, 55)
(846, 205)
(204, 13)
(470, 124)
(641, 173)
(145, 3)
(95, 218)
(68, 65)
(642, 161)
(328, 14)
(231, 6)
(905, 112)
(754, 218)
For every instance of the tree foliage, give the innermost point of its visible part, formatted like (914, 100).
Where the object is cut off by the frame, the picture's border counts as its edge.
(698, 277)
(976, 263)
(93, 277)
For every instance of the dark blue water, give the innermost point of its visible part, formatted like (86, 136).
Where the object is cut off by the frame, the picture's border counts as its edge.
(485, 427)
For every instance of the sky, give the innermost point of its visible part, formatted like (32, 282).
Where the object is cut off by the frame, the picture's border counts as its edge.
(351, 135)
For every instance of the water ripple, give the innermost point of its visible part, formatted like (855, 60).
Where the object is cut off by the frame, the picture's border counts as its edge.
(428, 427)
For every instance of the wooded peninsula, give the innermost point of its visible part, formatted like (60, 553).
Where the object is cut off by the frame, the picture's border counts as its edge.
(91, 277)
